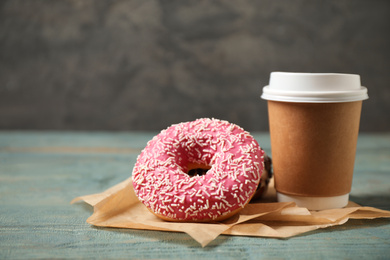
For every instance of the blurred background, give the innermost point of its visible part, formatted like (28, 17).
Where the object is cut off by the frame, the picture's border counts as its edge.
(143, 65)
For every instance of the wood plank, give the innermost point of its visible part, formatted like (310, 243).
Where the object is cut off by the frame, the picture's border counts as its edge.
(40, 172)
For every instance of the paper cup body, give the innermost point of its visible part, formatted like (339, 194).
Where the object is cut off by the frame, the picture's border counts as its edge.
(314, 135)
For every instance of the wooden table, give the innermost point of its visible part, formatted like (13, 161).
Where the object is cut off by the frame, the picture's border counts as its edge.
(41, 172)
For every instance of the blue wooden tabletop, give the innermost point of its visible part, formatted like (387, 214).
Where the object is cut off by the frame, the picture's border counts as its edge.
(41, 172)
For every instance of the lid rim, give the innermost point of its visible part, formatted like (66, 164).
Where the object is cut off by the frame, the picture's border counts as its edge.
(315, 96)
(286, 99)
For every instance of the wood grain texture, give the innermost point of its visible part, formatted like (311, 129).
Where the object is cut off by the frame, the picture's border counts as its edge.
(41, 172)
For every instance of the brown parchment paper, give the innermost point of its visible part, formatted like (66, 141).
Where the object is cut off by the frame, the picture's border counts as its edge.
(119, 207)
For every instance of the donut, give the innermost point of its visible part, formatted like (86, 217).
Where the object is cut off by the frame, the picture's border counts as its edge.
(265, 179)
(199, 171)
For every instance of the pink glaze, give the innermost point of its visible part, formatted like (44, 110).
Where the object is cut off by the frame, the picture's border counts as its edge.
(160, 176)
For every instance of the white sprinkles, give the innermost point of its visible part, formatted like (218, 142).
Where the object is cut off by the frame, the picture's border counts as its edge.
(160, 176)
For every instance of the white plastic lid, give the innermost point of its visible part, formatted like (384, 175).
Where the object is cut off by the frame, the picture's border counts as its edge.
(315, 203)
(314, 87)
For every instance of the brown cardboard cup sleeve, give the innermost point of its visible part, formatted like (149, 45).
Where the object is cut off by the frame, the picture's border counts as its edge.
(314, 147)
(119, 207)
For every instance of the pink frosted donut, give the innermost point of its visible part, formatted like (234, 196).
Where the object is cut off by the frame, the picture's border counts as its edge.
(198, 171)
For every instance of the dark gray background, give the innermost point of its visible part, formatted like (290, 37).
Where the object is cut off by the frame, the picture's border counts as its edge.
(143, 65)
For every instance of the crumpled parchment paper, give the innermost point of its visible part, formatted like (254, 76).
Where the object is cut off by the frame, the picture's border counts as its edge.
(119, 207)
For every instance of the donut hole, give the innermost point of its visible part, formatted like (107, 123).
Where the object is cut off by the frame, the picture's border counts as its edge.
(196, 169)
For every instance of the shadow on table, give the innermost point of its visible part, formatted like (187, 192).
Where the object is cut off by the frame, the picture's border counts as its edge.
(183, 239)
(85, 206)
(380, 201)
(352, 224)
(177, 238)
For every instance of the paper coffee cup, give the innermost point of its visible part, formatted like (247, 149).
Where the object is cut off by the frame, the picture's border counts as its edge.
(314, 123)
